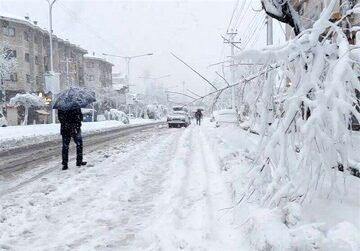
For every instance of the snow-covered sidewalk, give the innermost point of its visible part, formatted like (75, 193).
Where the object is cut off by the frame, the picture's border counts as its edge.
(18, 135)
(157, 191)
(168, 189)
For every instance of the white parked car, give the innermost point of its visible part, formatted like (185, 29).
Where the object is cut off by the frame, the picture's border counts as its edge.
(178, 119)
(3, 121)
(225, 116)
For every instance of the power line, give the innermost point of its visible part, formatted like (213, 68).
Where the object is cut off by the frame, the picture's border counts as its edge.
(250, 26)
(240, 12)
(232, 16)
(254, 30)
(92, 30)
(243, 13)
(254, 40)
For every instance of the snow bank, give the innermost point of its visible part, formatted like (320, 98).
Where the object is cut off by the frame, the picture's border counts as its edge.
(323, 222)
(13, 136)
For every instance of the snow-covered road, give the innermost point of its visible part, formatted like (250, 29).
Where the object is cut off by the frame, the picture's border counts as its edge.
(156, 190)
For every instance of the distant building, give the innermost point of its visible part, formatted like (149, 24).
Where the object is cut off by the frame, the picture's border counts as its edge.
(98, 72)
(98, 77)
(30, 45)
(120, 83)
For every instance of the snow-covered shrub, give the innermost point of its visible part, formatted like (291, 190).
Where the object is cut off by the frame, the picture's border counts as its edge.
(292, 214)
(27, 100)
(155, 111)
(118, 115)
(265, 230)
(309, 136)
(7, 62)
(343, 237)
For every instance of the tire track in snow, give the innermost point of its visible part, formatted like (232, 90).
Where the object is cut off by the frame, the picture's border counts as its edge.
(191, 220)
(78, 210)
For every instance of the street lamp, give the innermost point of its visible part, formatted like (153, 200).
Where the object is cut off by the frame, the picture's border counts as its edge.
(128, 60)
(51, 3)
(156, 78)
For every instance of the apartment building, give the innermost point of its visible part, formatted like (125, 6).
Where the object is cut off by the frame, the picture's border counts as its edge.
(98, 72)
(24, 40)
(30, 45)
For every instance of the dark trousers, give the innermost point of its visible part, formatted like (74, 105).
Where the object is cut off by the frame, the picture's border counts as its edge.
(66, 138)
(198, 121)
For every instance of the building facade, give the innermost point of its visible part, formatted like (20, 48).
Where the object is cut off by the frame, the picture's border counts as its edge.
(24, 40)
(98, 77)
(310, 11)
(98, 72)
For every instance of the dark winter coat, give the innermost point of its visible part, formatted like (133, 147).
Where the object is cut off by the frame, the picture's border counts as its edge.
(198, 114)
(70, 121)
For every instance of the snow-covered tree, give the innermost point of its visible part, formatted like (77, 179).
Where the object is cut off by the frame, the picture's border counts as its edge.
(27, 100)
(283, 11)
(310, 137)
(7, 67)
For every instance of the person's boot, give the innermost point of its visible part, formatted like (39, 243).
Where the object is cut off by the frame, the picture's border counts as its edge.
(82, 163)
(65, 167)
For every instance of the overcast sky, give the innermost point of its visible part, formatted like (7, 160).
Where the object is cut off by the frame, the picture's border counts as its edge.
(191, 29)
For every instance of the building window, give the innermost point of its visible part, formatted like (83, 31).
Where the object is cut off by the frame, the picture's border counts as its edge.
(38, 80)
(9, 31)
(28, 78)
(90, 77)
(90, 64)
(26, 36)
(10, 53)
(46, 63)
(36, 39)
(11, 77)
(37, 60)
(27, 57)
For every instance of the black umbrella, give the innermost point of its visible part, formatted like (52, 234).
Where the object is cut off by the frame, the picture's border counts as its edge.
(74, 98)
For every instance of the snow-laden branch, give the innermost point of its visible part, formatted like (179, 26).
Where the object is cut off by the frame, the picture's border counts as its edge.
(7, 62)
(310, 133)
(283, 11)
(27, 100)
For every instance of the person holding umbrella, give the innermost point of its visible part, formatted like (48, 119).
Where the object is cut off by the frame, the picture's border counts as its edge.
(69, 104)
(71, 128)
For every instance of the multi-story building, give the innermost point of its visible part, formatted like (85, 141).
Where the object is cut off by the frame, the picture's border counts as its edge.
(98, 72)
(98, 77)
(30, 45)
(310, 11)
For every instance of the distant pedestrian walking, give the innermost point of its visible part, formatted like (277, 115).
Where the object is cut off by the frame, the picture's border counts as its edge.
(71, 128)
(198, 116)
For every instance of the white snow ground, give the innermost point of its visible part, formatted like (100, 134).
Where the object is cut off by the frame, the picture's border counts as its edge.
(170, 189)
(158, 190)
(19, 135)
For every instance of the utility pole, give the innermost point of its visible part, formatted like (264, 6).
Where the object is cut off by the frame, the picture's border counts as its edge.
(269, 26)
(231, 41)
(67, 61)
(128, 61)
(3, 95)
(183, 84)
(51, 3)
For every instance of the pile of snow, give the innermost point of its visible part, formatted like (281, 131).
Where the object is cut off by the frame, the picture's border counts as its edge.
(268, 230)
(323, 222)
(14, 136)
(115, 114)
